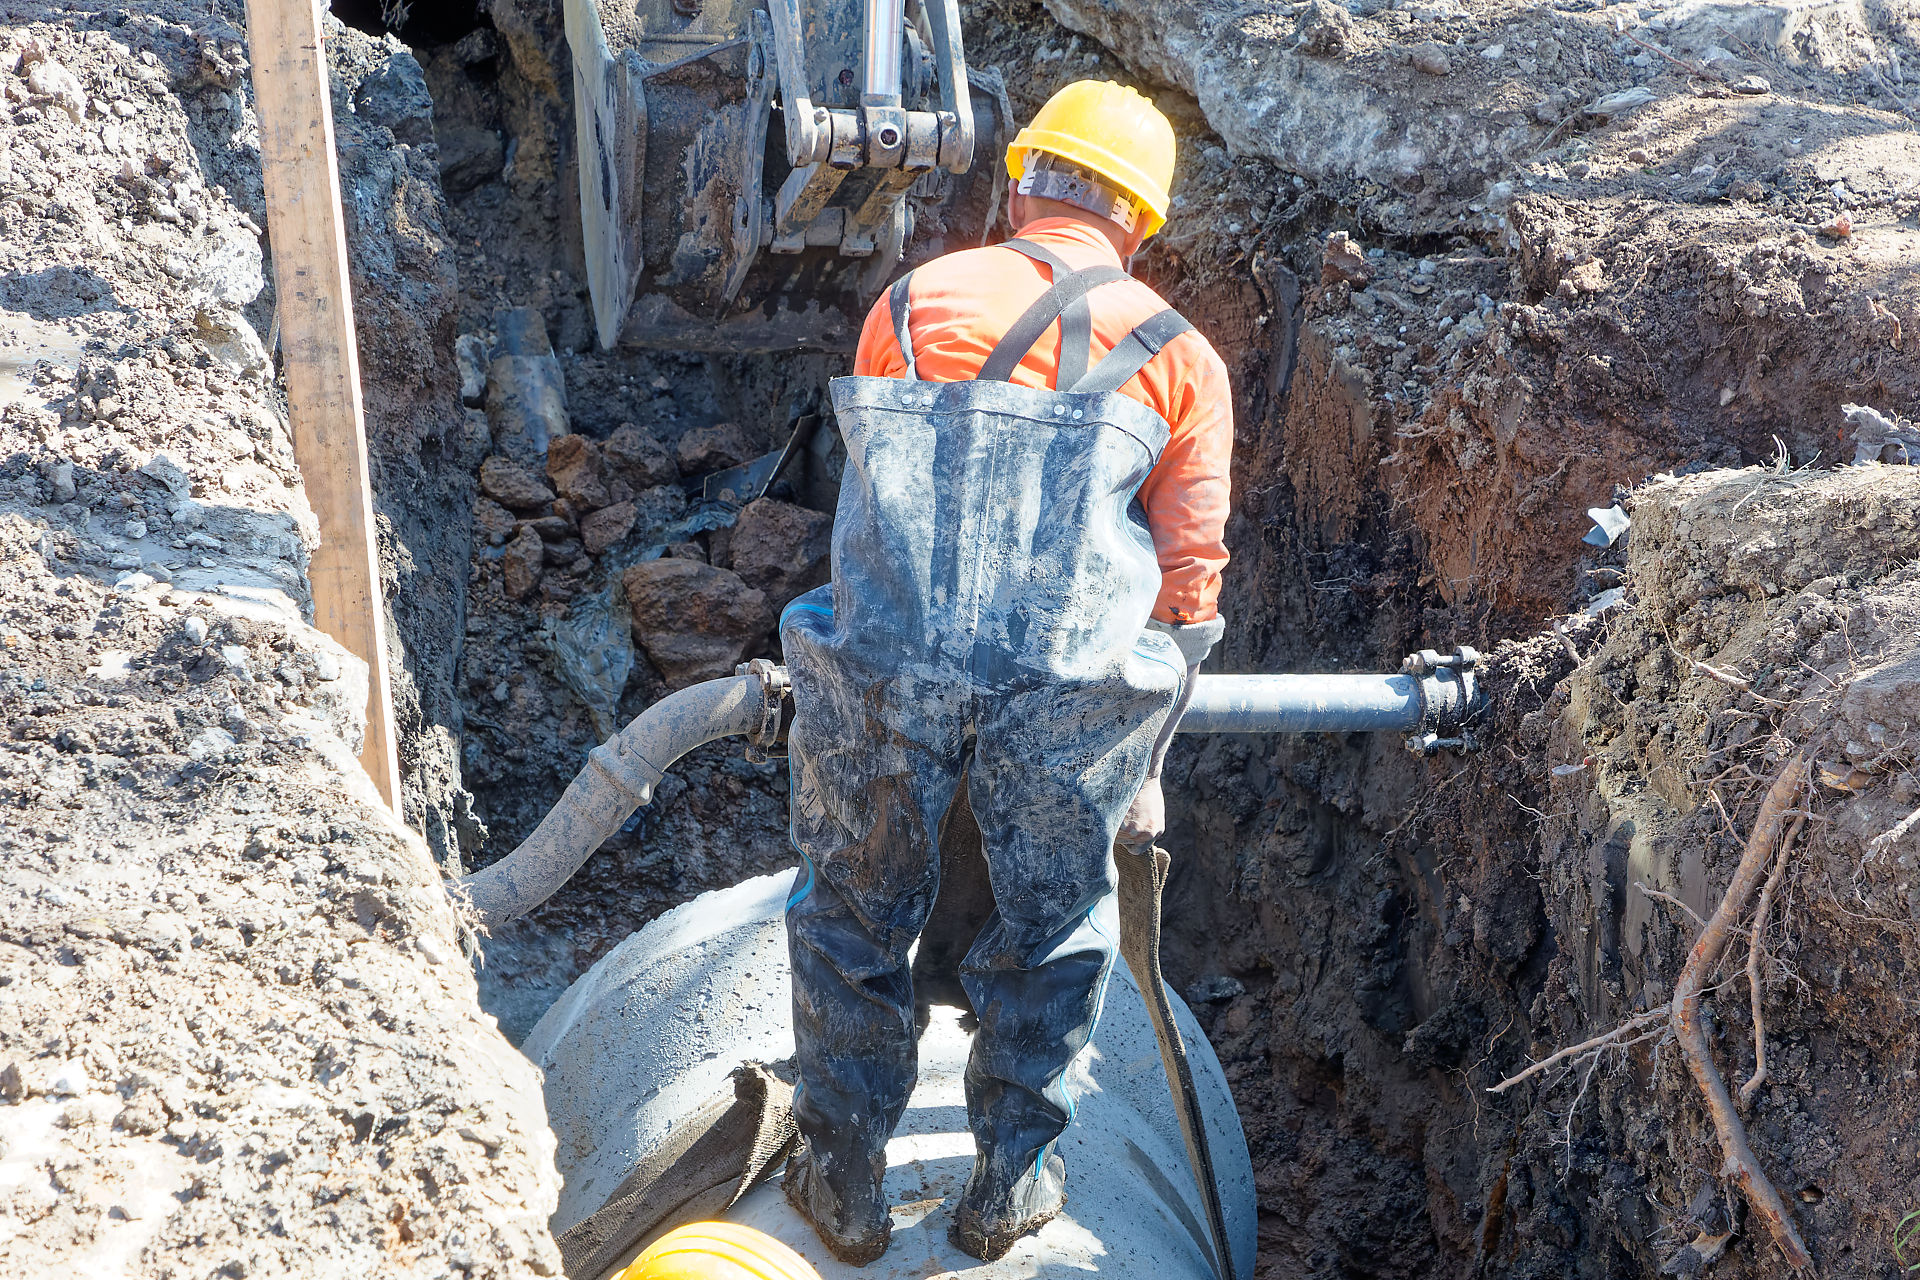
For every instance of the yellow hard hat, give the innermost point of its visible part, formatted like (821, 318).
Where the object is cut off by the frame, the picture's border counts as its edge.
(1111, 130)
(718, 1251)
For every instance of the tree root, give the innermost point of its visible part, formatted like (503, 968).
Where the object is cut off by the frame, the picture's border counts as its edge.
(1614, 1036)
(1887, 839)
(1756, 962)
(1740, 1163)
(1683, 1012)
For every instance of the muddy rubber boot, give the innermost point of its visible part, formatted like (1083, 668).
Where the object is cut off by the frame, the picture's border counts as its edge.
(856, 1228)
(992, 1217)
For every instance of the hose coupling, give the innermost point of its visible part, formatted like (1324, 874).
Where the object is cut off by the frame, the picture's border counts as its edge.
(767, 741)
(1450, 699)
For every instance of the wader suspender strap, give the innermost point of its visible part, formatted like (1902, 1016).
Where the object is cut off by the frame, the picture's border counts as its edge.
(901, 309)
(1039, 317)
(1065, 301)
(1130, 355)
(1076, 322)
(1143, 879)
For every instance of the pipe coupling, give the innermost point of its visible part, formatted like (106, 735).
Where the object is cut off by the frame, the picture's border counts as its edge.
(767, 739)
(1450, 699)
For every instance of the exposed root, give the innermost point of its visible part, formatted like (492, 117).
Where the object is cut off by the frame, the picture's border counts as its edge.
(1740, 1162)
(1757, 958)
(1612, 1037)
(1683, 1013)
(1887, 839)
(1660, 896)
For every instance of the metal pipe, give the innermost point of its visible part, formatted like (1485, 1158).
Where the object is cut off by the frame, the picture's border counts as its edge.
(1304, 704)
(620, 776)
(880, 54)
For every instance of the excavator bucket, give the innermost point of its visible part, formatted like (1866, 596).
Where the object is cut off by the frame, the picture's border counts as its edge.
(753, 172)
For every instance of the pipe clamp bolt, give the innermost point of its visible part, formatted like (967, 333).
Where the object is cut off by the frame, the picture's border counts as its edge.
(766, 740)
(1450, 699)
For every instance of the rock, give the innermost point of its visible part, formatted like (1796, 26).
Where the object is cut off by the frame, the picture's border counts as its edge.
(470, 354)
(1342, 259)
(470, 157)
(142, 1116)
(396, 96)
(781, 549)
(478, 46)
(49, 79)
(1430, 59)
(707, 449)
(166, 472)
(520, 564)
(194, 630)
(607, 526)
(638, 458)
(695, 622)
(550, 528)
(1620, 102)
(1324, 28)
(1588, 277)
(512, 485)
(491, 521)
(562, 552)
(574, 467)
(60, 479)
(689, 551)
(1751, 85)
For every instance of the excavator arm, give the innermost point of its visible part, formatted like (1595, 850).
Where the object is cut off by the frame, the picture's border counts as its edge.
(753, 172)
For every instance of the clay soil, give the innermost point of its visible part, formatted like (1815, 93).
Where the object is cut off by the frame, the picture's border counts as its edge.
(1466, 293)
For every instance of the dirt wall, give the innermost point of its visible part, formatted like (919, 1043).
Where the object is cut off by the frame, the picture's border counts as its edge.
(237, 1035)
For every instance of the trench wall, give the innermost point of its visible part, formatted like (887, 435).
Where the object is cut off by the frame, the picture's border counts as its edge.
(237, 1032)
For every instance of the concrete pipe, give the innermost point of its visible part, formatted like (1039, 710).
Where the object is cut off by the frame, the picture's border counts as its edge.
(656, 1027)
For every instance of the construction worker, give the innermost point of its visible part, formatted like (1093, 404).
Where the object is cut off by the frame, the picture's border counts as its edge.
(1026, 560)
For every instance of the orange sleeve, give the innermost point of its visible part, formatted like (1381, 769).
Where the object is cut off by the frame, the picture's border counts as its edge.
(879, 354)
(1188, 493)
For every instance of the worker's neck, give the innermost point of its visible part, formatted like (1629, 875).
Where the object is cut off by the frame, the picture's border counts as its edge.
(1037, 209)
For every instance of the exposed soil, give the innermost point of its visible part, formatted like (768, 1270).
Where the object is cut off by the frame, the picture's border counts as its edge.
(1464, 298)
(236, 1033)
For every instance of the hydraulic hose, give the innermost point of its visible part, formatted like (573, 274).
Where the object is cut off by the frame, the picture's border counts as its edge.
(620, 776)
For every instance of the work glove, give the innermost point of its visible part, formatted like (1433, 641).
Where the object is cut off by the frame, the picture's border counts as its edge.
(1146, 819)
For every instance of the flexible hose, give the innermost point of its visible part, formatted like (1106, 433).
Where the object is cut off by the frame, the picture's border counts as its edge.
(620, 776)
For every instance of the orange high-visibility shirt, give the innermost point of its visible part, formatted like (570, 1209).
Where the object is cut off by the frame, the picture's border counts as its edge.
(964, 301)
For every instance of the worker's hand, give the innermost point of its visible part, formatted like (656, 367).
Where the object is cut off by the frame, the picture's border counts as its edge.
(1146, 818)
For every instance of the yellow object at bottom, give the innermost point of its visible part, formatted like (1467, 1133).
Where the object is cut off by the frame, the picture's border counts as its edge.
(718, 1251)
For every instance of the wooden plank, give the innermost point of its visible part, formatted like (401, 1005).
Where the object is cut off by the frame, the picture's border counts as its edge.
(308, 235)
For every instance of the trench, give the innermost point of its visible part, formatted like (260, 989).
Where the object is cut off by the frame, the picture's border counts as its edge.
(1292, 928)
(1356, 938)
(229, 982)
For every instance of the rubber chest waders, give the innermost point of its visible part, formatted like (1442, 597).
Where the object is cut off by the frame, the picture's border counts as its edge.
(992, 581)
